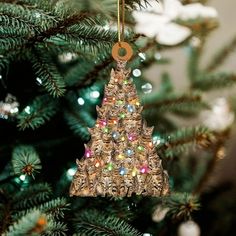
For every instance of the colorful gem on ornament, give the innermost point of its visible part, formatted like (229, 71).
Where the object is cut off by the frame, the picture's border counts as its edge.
(113, 99)
(132, 137)
(137, 103)
(150, 144)
(130, 108)
(102, 122)
(87, 153)
(115, 135)
(144, 169)
(122, 171)
(109, 166)
(104, 100)
(129, 152)
(134, 172)
(120, 156)
(97, 164)
(122, 138)
(120, 102)
(122, 115)
(114, 121)
(105, 130)
(140, 148)
(125, 82)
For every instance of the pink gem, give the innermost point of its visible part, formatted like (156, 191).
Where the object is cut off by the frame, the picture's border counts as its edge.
(104, 100)
(131, 137)
(88, 153)
(144, 169)
(103, 122)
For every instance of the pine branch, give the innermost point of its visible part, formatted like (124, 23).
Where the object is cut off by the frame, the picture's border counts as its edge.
(91, 223)
(183, 139)
(214, 81)
(182, 105)
(77, 124)
(36, 114)
(47, 71)
(55, 229)
(31, 224)
(54, 208)
(221, 56)
(32, 196)
(25, 160)
(182, 205)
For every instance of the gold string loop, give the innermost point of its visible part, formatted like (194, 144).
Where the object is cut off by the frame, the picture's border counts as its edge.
(121, 35)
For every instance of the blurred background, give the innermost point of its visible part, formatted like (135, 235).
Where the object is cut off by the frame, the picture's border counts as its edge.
(225, 169)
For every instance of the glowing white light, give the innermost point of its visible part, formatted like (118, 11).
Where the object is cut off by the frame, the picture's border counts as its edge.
(22, 177)
(157, 56)
(67, 57)
(37, 15)
(142, 56)
(147, 234)
(27, 109)
(0, 76)
(39, 80)
(136, 72)
(156, 140)
(71, 171)
(147, 88)
(106, 27)
(80, 101)
(14, 110)
(94, 94)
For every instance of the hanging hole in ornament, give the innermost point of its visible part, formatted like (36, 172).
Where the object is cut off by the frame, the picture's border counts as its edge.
(122, 51)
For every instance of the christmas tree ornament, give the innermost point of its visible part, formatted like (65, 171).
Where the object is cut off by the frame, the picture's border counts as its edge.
(9, 108)
(189, 228)
(120, 159)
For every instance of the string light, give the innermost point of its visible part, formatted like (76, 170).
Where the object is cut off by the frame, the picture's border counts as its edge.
(136, 73)
(80, 101)
(27, 109)
(94, 94)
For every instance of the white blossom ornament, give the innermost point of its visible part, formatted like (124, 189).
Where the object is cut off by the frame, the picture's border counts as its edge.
(219, 117)
(189, 228)
(161, 21)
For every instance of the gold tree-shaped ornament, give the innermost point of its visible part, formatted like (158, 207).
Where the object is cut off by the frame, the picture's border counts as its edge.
(120, 158)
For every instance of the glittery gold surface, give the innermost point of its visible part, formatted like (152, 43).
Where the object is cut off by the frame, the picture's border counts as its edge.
(121, 159)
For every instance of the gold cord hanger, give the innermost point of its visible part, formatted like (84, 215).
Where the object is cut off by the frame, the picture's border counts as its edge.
(121, 29)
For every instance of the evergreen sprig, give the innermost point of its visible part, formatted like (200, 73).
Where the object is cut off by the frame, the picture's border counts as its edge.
(91, 223)
(34, 195)
(38, 112)
(206, 82)
(34, 223)
(25, 160)
(182, 205)
(183, 139)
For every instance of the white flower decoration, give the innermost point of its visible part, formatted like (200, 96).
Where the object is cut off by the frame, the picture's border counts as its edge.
(158, 20)
(220, 117)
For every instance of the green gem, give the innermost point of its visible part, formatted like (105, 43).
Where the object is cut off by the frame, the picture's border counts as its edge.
(122, 115)
(140, 148)
(110, 166)
(119, 102)
(125, 81)
(106, 130)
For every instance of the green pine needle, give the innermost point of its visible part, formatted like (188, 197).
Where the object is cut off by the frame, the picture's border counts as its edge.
(25, 160)
(32, 196)
(27, 225)
(38, 112)
(91, 223)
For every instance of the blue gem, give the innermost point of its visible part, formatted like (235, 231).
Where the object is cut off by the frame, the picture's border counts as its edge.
(122, 171)
(130, 108)
(129, 152)
(115, 135)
